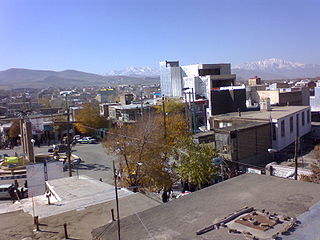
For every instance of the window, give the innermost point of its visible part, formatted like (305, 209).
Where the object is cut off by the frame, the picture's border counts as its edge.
(308, 116)
(212, 71)
(282, 128)
(302, 118)
(291, 124)
(274, 131)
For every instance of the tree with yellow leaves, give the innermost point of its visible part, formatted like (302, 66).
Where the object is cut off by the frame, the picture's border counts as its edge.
(89, 119)
(144, 151)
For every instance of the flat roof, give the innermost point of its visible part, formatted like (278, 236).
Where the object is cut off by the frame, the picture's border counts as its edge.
(182, 218)
(275, 113)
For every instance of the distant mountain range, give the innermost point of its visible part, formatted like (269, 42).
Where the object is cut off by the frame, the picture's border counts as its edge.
(19, 78)
(269, 69)
(274, 68)
(136, 71)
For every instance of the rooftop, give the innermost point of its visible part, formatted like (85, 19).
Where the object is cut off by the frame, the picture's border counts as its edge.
(182, 218)
(275, 113)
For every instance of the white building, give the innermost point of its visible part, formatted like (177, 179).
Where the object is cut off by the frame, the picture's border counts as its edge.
(288, 122)
(195, 81)
(315, 100)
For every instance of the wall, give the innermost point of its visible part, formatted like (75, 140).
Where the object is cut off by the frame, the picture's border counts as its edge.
(253, 144)
(315, 100)
(249, 145)
(289, 137)
(272, 94)
(225, 101)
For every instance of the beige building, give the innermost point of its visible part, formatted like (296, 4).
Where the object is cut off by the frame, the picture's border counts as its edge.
(287, 96)
(254, 81)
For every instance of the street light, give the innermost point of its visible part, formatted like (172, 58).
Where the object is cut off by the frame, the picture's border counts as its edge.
(272, 151)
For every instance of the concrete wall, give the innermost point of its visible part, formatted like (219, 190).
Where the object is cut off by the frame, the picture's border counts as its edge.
(315, 100)
(170, 79)
(290, 136)
(272, 94)
(245, 145)
(225, 101)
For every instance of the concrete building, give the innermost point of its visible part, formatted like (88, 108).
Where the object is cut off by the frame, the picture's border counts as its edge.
(244, 141)
(126, 99)
(227, 99)
(104, 94)
(287, 96)
(128, 113)
(315, 99)
(104, 108)
(171, 79)
(288, 122)
(254, 81)
(197, 79)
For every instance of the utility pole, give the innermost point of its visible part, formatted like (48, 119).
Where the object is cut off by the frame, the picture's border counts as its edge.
(21, 136)
(186, 108)
(27, 133)
(141, 105)
(164, 118)
(296, 159)
(68, 137)
(117, 200)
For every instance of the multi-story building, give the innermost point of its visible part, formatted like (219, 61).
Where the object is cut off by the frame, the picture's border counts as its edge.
(171, 79)
(288, 123)
(200, 81)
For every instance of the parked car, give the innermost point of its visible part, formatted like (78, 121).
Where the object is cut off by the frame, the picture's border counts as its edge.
(4, 191)
(87, 140)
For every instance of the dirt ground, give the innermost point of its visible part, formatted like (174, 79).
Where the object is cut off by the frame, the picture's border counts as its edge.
(19, 225)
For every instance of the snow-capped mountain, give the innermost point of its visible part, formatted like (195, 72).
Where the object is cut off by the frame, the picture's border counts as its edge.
(272, 64)
(274, 68)
(136, 72)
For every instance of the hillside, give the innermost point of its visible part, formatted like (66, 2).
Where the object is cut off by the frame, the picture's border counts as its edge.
(18, 77)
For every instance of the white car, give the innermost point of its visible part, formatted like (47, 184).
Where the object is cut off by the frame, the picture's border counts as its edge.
(87, 140)
(4, 191)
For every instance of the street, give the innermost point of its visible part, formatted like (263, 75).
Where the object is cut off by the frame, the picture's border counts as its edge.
(96, 162)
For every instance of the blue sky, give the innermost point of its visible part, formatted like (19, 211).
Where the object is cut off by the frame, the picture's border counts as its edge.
(100, 35)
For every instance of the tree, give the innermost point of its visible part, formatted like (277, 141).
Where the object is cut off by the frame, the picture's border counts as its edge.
(60, 125)
(194, 162)
(172, 106)
(90, 119)
(14, 130)
(144, 152)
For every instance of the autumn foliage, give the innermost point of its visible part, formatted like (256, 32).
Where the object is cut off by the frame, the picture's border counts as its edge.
(89, 119)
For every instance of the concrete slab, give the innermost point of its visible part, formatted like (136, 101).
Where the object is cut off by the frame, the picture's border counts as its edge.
(77, 187)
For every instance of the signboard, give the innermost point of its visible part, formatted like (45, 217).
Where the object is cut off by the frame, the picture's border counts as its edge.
(217, 161)
(36, 174)
(37, 125)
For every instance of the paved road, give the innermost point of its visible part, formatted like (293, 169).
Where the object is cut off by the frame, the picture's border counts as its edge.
(96, 162)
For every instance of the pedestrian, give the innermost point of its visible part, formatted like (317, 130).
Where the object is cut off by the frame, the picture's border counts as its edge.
(165, 196)
(100, 180)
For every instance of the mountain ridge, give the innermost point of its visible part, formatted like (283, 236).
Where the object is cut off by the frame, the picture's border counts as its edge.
(22, 77)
